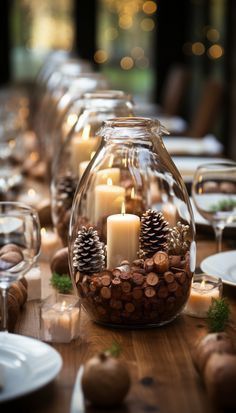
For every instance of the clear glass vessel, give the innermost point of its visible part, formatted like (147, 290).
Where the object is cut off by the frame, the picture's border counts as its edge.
(131, 236)
(78, 149)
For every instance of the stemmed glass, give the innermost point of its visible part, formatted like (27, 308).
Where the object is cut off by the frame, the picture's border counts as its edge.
(19, 246)
(214, 195)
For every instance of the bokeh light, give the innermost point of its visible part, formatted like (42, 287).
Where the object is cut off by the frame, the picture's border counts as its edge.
(125, 21)
(147, 24)
(198, 48)
(149, 7)
(137, 52)
(100, 56)
(212, 35)
(215, 51)
(126, 63)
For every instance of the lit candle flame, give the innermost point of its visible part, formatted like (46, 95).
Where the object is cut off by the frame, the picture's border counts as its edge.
(109, 181)
(132, 195)
(12, 143)
(34, 156)
(86, 132)
(63, 305)
(43, 231)
(203, 285)
(31, 192)
(123, 208)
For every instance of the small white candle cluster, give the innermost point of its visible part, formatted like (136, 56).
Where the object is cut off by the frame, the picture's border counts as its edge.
(60, 320)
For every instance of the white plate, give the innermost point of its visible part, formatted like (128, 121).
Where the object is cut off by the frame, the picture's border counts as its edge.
(222, 265)
(208, 145)
(28, 364)
(187, 165)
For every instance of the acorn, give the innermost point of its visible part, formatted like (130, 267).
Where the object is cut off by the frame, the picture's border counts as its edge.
(59, 262)
(220, 379)
(9, 248)
(211, 343)
(105, 380)
(13, 310)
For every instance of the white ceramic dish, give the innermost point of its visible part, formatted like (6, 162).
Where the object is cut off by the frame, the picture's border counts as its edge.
(223, 265)
(208, 145)
(187, 165)
(27, 365)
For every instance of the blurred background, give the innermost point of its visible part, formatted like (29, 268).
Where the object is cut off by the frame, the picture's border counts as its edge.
(177, 58)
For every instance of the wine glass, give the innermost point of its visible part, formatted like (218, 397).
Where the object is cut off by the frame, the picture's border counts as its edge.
(214, 195)
(19, 246)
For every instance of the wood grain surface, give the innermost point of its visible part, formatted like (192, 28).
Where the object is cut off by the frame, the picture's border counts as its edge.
(163, 376)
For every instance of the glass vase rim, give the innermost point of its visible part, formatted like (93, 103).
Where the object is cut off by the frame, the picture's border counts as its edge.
(108, 94)
(135, 122)
(211, 165)
(24, 208)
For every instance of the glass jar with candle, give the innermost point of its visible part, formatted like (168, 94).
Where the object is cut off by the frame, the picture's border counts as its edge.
(78, 149)
(131, 237)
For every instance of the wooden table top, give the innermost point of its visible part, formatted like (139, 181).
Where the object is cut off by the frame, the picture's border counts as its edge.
(162, 354)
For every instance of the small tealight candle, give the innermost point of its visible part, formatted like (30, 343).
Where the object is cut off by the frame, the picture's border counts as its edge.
(50, 243)
(204, 288)
(31, 198)
(60, 318)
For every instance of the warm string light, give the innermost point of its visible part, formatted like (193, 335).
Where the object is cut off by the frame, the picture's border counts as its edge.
(129, 14)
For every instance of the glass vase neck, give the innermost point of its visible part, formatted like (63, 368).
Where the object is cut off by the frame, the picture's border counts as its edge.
(132, 128)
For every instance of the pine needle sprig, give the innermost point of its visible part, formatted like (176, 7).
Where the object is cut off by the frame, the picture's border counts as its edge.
(218, 314)
(114, 350)
(61, 283)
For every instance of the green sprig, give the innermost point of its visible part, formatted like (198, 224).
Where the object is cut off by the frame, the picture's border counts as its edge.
(62, 283)
(224, 205)
(218, 314)
(114, 350)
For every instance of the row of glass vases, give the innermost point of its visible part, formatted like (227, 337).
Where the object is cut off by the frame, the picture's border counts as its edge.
(116, 190)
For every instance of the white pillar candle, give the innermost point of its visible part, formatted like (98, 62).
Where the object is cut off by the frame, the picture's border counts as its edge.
(110, 173)
(31, 197)
(108, 200)
(201, 294)
(82, 146)
(122, 238)
(50, 243)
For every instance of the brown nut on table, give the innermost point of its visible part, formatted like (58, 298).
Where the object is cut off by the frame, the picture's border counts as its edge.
(10, 259)
(59, 262)
(10, 248)
(209, 344)
(220, 379)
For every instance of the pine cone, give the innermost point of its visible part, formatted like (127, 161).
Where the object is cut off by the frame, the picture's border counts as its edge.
(66, 187)
(154, 233)
(88, 253)
(178, 243)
